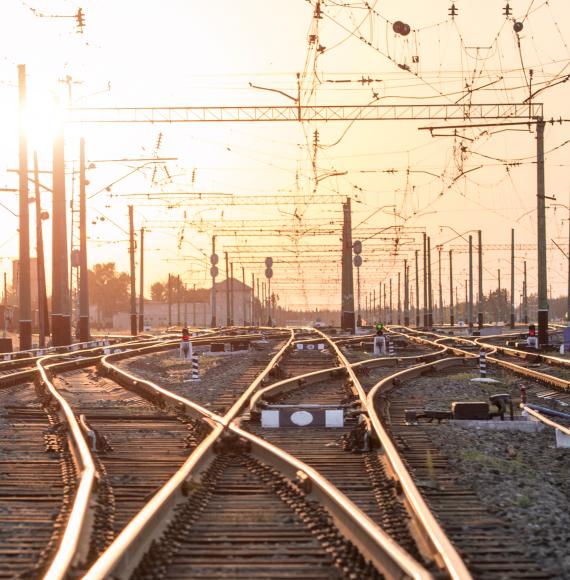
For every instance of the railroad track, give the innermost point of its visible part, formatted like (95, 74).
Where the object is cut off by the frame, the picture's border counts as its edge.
(344, 455)
(546, 377)
(492, 548)
(44, 456)
(295, 501)
(232, 473)
(35, 484)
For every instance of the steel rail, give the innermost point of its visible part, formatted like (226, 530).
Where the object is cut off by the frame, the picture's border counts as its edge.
(525, 372)
(76, 531)
(315, 377)
(430, 527)
(445, 553)
(540, 417)
(28, 374)
(122, 557)
(73, 545)
(375, 544)
(242, 401)
(535, 356)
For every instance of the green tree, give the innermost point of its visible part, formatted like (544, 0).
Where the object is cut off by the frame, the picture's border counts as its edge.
(109, 289)
(497, 306)
(158, 292)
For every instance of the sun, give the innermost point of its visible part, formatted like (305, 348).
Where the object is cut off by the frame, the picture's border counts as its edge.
(43, 118)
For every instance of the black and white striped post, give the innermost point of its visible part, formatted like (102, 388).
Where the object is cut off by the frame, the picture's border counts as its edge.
(195, 368)
(390, 347)
(483, 364)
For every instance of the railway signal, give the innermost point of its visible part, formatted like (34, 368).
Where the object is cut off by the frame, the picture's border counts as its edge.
(269, 275)
(357, 249)
(214, 273)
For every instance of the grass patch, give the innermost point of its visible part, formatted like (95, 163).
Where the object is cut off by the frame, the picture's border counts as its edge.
(524, 501)
(463, 376)
(502, 465)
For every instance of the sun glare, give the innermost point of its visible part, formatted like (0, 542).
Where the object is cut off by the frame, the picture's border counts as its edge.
(42, 120)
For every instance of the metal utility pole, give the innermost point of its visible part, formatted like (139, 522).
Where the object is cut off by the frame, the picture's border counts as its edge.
(252, 322)
(406, 294)
(417, 292)
(568, 297)
(470, 305)
(169, 293)
(228, 314)
(259, 305)
(178, 297)
(374, 303)
(61, 306)
(425, 283)
(440, 286)
(265, 308)
(213, 273)
(194, 307)
(512, 278)
(399, 315)
(525, 296)
(500, 310)
(359, 316)
(480, 302)
(43, 314)
(83, 271)
(141, 283)
(541, 237)
(232, 293)
(24, 292)
(451, 309)
(391, 316)
(269, 305)
(430, 293)
(134, 321)
(347, 319)
(185, 294)
(243, 296)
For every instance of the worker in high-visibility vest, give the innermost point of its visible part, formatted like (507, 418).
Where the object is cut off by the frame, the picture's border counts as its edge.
(380, 340)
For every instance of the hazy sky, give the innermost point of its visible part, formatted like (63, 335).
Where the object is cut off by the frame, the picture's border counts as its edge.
(149, 53)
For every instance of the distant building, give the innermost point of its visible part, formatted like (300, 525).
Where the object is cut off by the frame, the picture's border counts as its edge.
(197, 313)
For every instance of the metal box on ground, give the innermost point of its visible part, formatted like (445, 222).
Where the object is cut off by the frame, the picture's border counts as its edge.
(470, 410)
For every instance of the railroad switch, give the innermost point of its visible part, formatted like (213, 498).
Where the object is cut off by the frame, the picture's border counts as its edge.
(465, 410)
(232, 444)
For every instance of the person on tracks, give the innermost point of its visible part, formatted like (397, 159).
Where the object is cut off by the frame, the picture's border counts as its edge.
(532, 339)
(185, 344)
(380, 340)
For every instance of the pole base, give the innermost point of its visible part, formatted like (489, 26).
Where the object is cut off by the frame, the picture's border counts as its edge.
(347, 322)
(25, 334)
(542, 328)
(83, 328)
(134, 324)
(61, 329)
